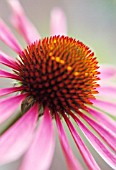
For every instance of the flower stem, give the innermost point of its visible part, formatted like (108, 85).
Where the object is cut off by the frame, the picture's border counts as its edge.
(6, 125)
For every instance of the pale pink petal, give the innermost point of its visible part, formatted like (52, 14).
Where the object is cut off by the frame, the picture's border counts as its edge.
(22, 23)
(8, 61)
(87, 156)
(58, 25)
(6, 74)
(107, 72)
(5, 91)
(39, 155)
(72, 162)
(104, 132)
(103, 119)
(107, 90)
(8, 38)
(102, 150)
(9, 105)
(105, 106)
(15, 141)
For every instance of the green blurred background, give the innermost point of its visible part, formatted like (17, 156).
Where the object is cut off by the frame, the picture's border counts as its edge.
(91, 21)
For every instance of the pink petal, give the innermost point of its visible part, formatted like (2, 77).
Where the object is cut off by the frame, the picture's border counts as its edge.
(103, 119)
(102, 150)
(5, 91)
(22, 23)
(8, 61)
(40, 154)
(58, 25)
(88, 158)
(107, 90)
(8, 38)
(15, 141)
(9, 105)
(72, 162)
(6, 74)
(105, 133)
(107, 72)
(105, 106)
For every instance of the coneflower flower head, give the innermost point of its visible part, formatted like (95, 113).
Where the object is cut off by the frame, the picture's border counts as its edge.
(58, 72)
(56, 78)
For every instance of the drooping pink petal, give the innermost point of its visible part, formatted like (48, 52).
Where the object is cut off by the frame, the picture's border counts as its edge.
(8, 38)
(58, 25)
(87, 156)
(105, 106)
(104, 119)
(8, 61)
(107, 72)
(6, 74)
(9, 105)
(39, 155)
(99, 146)
(72, 162)
(22, 23)
(107, 90)
(5, 91)
(104, 132)
(15, 141)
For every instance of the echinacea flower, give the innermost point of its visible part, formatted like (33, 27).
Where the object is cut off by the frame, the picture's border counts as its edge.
(56, 79)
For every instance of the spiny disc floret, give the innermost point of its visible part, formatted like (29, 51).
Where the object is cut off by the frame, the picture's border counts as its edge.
(59, 72)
